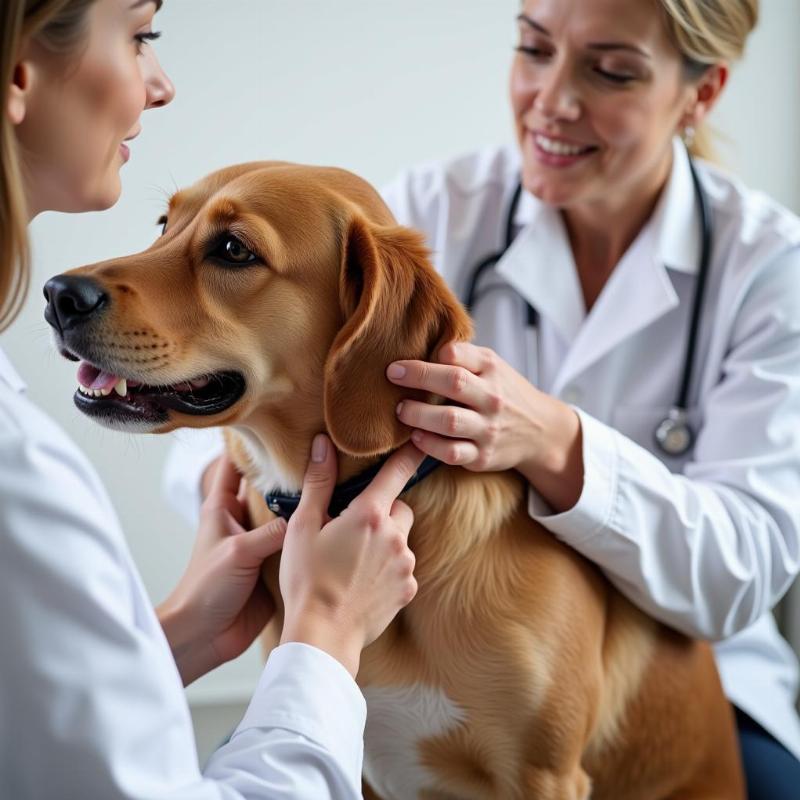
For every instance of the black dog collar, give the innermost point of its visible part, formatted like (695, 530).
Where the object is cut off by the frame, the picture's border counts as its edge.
(284, 505)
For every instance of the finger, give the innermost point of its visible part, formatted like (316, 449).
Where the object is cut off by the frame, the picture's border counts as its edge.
(450, 451)
(319, 480)
(402, 514)
(465, 354)
(266, 540)
(392, 477)
(452, 382)
(225, 479)
(207, 477)
(453, 421)
(242, 510)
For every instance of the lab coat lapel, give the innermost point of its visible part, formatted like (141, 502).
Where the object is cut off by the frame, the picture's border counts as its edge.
(638, 292)
(540, 266)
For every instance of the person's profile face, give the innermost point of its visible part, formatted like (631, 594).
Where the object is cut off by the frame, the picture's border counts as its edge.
(597, 90)
(84, 107)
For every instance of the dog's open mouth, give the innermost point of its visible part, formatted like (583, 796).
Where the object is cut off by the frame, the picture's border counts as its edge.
(112, 397)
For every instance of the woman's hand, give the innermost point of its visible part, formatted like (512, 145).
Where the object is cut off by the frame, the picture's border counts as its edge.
(501, 421)
(343, 580)
(220, 604)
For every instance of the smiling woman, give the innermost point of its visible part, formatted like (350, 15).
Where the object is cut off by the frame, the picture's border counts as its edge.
(74, 615)
(584, 316)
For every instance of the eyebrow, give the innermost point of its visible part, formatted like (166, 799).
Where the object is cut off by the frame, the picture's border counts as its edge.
(592, 45)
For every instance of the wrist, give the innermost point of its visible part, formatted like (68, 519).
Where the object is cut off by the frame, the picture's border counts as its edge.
(192, 656)
(556, 469)
(177, 623)
(321, 629)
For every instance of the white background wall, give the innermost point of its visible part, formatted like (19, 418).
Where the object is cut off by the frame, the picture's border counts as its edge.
(364, 84)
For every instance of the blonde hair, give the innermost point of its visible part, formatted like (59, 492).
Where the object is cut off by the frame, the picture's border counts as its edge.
(60, 26)
(707, 32)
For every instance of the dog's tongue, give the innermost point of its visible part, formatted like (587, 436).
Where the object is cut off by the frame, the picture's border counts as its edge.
(93, 378)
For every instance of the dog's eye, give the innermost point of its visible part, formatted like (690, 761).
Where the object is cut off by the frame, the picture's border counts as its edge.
(232, 251)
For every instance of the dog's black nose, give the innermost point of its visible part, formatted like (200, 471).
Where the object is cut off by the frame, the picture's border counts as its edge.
(72, 300)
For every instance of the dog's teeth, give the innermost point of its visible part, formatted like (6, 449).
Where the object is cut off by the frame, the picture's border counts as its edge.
(105, 392)
(122, 387)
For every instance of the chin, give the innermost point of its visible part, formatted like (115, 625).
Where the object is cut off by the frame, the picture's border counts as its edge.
(108, 198)
(104, 193)
(551, 192)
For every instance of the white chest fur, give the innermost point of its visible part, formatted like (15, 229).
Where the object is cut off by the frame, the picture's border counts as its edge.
(397, 719)
(269, 476)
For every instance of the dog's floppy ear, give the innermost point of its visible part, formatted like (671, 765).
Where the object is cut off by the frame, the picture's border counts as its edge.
(395, 306)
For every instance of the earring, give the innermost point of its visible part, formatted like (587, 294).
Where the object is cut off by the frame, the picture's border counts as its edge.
(687, 134)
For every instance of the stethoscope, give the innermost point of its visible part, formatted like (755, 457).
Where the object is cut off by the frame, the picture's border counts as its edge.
(674, 435)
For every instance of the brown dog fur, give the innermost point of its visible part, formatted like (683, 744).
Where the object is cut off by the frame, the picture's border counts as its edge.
(560, 683)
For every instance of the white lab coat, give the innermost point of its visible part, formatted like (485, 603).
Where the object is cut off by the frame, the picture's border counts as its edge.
(91, 703)
(708, 542)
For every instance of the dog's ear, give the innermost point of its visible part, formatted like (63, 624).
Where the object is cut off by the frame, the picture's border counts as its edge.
(395, 306)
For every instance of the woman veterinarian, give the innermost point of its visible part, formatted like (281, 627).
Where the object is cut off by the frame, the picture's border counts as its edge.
(662, 444)
(668, 457)
(91, 702)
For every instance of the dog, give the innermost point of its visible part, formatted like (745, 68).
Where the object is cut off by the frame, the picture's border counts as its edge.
(271, 306)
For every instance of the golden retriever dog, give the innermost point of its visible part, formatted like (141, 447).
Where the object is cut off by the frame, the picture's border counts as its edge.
(271, 305)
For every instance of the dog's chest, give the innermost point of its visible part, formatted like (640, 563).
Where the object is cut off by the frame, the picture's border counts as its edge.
(398, 719)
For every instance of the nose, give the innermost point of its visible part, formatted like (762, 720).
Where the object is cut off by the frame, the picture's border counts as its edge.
(72, 300)
(160, 89)
(556, 99)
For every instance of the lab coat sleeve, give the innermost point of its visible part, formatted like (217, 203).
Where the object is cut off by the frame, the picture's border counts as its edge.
(190, 454)
(710, 550)
(310, 711)
(91, 704)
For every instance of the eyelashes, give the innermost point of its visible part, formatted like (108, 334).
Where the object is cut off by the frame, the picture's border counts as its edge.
(539, 55)
(145, 38)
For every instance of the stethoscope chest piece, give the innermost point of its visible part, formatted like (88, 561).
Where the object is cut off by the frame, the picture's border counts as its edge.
(674, 435)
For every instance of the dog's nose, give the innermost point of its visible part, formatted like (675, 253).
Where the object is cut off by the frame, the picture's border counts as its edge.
(72, 300)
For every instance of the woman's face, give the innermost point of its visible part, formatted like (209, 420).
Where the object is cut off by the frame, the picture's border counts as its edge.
(81, 110)
(598, 91)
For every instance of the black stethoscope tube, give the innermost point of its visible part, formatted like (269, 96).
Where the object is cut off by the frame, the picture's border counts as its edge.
(673, 435)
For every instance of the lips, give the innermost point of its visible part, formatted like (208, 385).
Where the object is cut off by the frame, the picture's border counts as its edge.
(557, 146)
(124, 150)
(123, 402)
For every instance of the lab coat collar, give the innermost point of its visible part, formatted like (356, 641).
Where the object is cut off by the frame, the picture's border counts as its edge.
(677, 217)
(638, 293)
(540, 266)
(9, 375)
